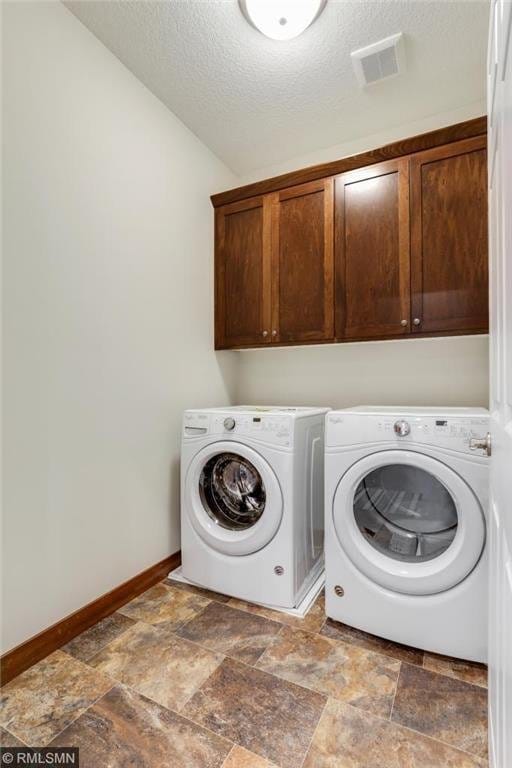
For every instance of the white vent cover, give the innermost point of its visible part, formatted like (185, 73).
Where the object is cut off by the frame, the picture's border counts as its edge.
(380, 60)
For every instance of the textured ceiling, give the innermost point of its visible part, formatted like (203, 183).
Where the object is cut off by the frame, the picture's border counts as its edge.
(256, 101)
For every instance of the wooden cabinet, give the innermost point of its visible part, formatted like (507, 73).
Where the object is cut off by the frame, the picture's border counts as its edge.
(387, 250)
(372, 252)
(303, 263)
(274, 268)
(449, 266)
(243, 273)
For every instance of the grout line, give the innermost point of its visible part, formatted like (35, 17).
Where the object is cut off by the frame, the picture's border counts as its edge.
(438, 741)
(314, 733)
(114, 683)
(224, 762)
(14, 736)
(409, 729)
(103, 647)
(396, 689)
(420, 665)
(272, 642)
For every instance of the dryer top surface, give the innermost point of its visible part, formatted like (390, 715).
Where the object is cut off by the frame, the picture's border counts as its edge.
(413, 410)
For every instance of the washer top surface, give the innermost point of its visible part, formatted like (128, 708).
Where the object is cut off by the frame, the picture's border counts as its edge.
(293, 411)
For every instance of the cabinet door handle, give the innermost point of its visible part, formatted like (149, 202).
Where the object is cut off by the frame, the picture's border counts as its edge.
(403, 323)
(416, 321)
(265, 334)
(274, 333)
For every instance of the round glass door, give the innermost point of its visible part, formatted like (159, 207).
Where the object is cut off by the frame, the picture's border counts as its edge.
(232, 498)
(405, 513)
(232, 491)
(408, 522)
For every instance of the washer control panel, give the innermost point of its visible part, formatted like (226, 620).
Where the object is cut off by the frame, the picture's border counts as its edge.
(267, 428)
(454, 432)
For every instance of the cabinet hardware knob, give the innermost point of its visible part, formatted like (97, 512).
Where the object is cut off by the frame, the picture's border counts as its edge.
(403, 323)
(274, 333)
(265, 333)
(416, 321)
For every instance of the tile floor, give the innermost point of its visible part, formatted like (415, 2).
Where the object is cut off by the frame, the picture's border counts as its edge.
(185, 678)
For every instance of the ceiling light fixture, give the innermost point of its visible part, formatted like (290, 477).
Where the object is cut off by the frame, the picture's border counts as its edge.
(281, 19)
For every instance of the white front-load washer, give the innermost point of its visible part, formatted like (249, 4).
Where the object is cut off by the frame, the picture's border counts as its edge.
(252, 505)
(405, 525)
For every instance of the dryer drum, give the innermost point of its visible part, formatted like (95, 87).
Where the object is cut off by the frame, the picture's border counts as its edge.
(232, 491)
(405, 513)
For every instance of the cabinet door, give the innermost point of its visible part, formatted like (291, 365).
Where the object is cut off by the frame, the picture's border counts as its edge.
(303, 263)
(449, 238)
(242, 273)
(372, 251)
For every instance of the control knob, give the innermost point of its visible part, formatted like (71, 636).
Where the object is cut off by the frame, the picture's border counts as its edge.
(402, 428)
(229, 423)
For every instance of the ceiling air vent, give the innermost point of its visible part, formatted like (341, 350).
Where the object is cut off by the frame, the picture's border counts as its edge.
(380, 60)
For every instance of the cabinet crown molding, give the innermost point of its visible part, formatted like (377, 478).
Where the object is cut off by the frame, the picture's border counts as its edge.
(408, 146)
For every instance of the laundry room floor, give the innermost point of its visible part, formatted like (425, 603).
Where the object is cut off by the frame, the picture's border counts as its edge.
(185, 678)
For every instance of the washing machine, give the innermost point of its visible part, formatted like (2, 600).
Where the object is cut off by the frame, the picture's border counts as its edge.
(405, 527)
(252, 504)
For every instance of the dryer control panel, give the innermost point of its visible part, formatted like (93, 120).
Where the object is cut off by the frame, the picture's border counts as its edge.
(457, 433)
(267, 428)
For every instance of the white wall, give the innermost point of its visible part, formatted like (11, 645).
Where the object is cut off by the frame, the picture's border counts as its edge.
(446, 371)
(107, 316)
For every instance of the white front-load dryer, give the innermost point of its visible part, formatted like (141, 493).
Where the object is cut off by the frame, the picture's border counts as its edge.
(406, 506)
(252, 523)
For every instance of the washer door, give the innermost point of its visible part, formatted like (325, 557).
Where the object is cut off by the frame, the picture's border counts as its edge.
(233, 498)
(408, 522)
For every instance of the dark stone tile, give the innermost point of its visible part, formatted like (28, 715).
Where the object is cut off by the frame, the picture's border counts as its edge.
(42, 701)
(268, 716)
(349, 738)
(126, 730)
(469, 671)
(201, 591)
(86, 645)
(163, 604)
(344, 671)
(232, 632)
(157, 663)
(338, 631)
(442, 707)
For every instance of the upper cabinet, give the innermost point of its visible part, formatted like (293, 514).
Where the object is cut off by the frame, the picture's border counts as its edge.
(372, 252)
(388, 250)
(449, 238)
(274, 268)
(243, 273)
(303, 263)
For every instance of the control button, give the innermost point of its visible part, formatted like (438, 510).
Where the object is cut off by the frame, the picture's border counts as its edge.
(229, 423)
(401, 428)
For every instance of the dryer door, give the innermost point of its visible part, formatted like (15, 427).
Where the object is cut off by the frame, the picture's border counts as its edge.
(408, 522)
(233, 498)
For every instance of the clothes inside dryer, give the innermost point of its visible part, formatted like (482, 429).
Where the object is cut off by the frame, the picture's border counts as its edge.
(232, 491)
(405, 513)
